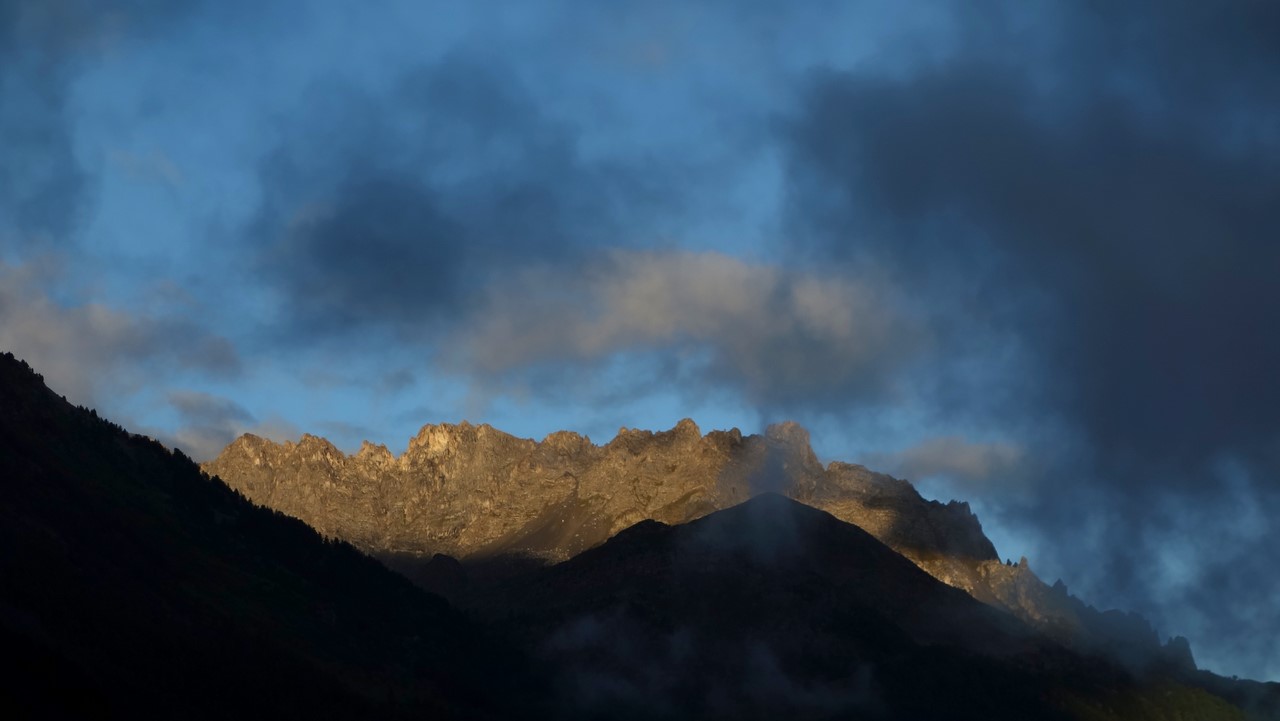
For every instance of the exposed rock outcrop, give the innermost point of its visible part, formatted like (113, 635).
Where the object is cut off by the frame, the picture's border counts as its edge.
(472, 490)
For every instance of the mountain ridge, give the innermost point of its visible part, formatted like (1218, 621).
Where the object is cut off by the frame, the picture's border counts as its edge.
(472, 492)
(487, 459)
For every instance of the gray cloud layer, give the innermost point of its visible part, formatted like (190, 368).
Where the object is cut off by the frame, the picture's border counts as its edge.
(88, 349)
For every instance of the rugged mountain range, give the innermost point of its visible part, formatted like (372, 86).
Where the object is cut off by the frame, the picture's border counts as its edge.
(474, 492)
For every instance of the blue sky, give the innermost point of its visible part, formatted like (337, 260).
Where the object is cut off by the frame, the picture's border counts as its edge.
(1020, 255)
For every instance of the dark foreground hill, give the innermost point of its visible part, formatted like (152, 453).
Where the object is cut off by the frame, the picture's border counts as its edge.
(133, 585)
(774, 609)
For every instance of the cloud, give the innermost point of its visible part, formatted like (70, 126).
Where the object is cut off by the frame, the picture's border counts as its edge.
(977, 469)
(88, 350)
(203, 408)
(45, 187)
(1088, 191)
(1131, 233)
(778, 337)
(41, 182)
(207, 423)
(386, 209)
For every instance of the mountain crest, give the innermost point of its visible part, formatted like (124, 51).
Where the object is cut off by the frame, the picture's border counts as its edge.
(473, 491)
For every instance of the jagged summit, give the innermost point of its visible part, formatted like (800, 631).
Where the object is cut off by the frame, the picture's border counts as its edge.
(465, 489)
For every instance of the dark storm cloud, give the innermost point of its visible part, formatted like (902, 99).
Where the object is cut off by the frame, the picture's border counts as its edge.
(44, 46)
(41, 182)
(390, 208)
(1155, 253)
(1098, 189)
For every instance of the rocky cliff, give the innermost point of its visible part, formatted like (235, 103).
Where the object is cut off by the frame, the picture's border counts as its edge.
(472, 491)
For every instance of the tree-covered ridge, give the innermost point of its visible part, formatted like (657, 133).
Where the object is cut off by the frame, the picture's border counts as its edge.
(131, 583)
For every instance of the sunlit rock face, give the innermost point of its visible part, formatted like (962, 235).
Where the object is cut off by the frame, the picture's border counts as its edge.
(472, 491)
(469, 490)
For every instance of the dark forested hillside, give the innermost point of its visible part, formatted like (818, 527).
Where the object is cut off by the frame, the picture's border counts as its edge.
(133, 585)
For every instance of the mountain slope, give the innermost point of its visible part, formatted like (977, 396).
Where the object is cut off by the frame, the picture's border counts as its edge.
(773, 609)
(131, 584)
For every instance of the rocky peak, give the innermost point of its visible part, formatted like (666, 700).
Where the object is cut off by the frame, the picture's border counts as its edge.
(788, 433)
(459, 443)
(566, 442)
(251, 448)
(438, 439)
(320, 451)
(315, 443)
(687, 429)
(369, 449)
(375, 455)
(789, 442)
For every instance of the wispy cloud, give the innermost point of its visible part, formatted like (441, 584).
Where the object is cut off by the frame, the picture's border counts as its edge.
(976, 469)
(88, 348)
(781, 338)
